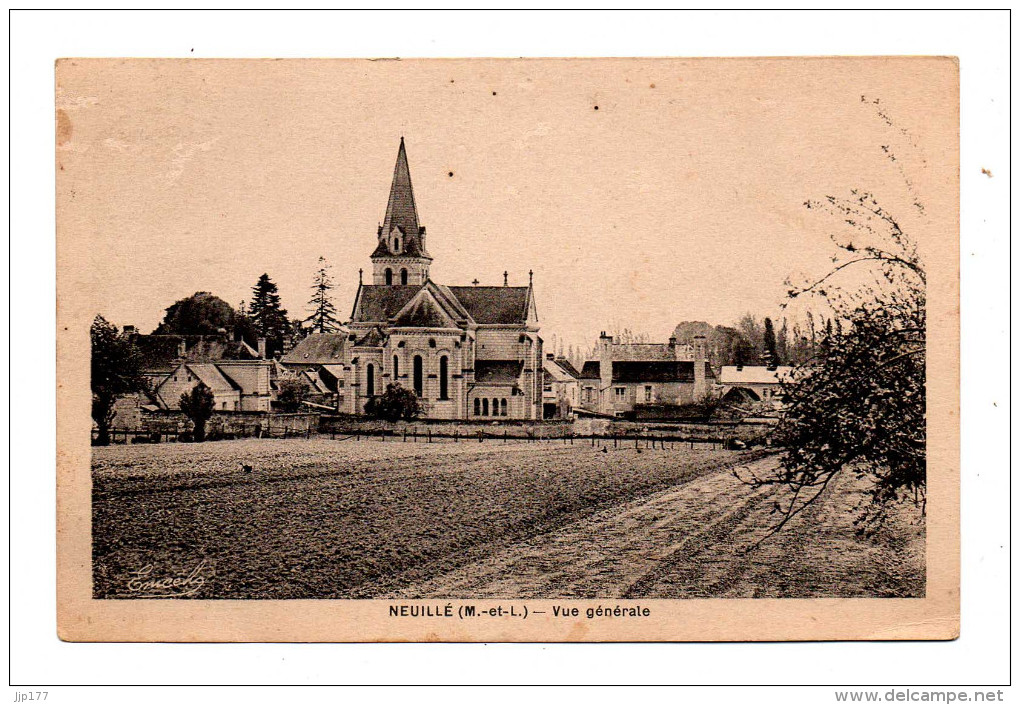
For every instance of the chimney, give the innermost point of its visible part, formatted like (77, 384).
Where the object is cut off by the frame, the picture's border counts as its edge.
(130, 330)
(182, 348)
(550, 356)
(700, 383)
(262, 348)
(605, 373)
(673, 348)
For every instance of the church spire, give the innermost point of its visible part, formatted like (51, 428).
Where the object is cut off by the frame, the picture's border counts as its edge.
(401, 211)
(400, 256)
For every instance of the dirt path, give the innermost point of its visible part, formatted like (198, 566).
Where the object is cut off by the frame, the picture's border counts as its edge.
(690, 541)
(615, 552)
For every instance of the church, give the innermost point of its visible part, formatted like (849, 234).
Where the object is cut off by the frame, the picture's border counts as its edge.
(468, 352)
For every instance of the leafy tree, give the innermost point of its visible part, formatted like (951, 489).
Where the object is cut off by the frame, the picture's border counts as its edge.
(323, 318)
(198, 405)
(205, 314)
(116, 372)
(860, 405)
(290, 394)
(267, 316)
(395, 403)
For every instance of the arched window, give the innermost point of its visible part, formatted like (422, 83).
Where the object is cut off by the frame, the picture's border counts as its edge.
(478, 406)
(495, 407)
(389, 276)
(418, 376)
(403, 277)
(444, 386)
(396, 244)
(502, 407)
(485, 407)
(370, 382)
(396, 368)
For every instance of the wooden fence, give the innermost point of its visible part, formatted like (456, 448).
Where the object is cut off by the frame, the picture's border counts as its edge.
(637, 441)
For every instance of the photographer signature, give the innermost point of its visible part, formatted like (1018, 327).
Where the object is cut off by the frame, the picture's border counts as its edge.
(145, 583)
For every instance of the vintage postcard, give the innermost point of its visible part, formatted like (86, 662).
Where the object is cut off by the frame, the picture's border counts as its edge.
(508, 350)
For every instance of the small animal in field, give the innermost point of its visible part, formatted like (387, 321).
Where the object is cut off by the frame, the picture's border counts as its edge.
(604, 449)
(246, 469)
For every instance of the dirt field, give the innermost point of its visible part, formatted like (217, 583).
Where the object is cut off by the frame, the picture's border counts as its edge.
(344, 519)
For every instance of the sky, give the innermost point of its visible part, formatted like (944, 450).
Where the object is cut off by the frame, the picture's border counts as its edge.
(641, 193)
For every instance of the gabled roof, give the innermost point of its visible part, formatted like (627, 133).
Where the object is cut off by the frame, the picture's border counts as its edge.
(377, 303)
(315, 382)
(565, 365)
(754, 374)
(560, 369)
(161, 353)
(498, 371)
(317, 348)
(424, 311)
(374, 338)
(337, 371)
(211, 376)
(506, 305)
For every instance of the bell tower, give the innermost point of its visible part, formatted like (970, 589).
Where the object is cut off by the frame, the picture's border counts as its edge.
(400, 257)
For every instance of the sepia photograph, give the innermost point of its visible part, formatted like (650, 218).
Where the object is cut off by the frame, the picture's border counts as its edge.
(581, 339)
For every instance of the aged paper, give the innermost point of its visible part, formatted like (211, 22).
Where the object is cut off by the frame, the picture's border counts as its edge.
(508, 350)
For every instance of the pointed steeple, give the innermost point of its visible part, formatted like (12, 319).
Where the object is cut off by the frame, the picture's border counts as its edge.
(400, 255)
(401, 210)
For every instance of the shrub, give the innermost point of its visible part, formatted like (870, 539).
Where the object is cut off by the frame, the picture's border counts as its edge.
(394, 404)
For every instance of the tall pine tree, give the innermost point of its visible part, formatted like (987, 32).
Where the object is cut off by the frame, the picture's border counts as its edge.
(769, 343)
(323, 318)
(266, 314)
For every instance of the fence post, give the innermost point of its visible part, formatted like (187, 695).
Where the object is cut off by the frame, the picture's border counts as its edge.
(430, 434)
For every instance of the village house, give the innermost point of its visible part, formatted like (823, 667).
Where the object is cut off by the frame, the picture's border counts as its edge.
(753, 383)
(317, 361)
(466, 351)
(562, 389)
(628, 375)
(237, 374)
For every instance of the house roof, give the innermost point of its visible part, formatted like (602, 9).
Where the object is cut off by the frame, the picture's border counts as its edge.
(315, 382)
(639, 371)
(211, 376)
(505, 305)
(591, 370)
(754, 374)
(498, 371)
(567, 367)
(336, 370)
(643, 351)
(317, 348)
(161, 353)
(561, 369)
(656, 371)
